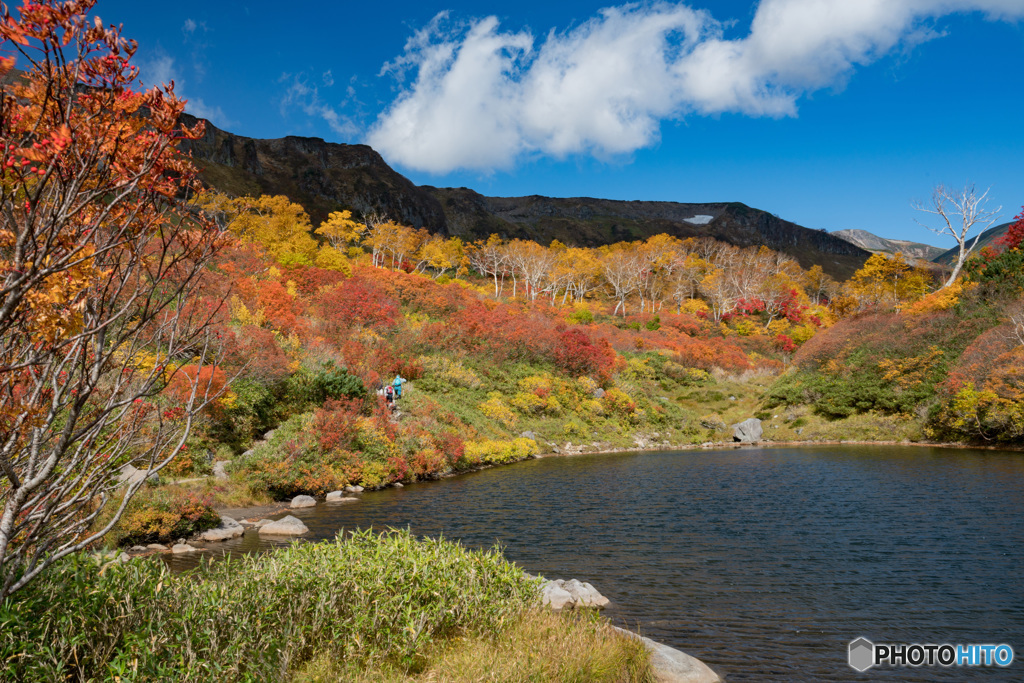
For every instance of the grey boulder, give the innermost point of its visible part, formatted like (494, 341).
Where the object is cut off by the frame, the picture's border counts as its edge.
(286, 526)
(303, 502)
(218, 469)
(748, 431)
(182, 548)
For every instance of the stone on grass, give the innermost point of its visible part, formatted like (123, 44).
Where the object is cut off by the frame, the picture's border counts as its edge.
(218, 469)
(748, 431)
(227, 530)
(182, 548)
(303, 502)
(286, 526)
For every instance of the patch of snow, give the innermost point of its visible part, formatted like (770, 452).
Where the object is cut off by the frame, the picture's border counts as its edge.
(699, 219)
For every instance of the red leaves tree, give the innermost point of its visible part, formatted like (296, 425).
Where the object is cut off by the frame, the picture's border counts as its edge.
(99, 269)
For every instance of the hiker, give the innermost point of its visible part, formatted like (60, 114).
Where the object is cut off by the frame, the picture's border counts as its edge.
(389, 396)
(399, 381)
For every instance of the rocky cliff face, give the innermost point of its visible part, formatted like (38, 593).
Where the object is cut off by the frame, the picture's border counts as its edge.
(914, 251)
(325, 177)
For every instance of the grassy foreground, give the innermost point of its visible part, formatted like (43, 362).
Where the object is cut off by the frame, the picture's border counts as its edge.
(365, 607)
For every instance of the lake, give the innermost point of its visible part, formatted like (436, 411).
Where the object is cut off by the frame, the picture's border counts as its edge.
(763, 562)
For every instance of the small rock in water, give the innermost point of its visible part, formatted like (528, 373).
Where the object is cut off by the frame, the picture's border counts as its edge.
(138, 549)
(303, 502)
(182, 548)
(399, 485)
(156, 546)
(287, 526)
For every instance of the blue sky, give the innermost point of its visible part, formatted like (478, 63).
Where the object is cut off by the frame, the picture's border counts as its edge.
(831, 113)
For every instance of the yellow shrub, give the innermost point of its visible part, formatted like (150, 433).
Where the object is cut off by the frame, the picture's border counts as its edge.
(639, 369)
(747, 327)
(619, 401)
(780, 326)
(496, 409)
(499, 452)
(802, 333)
(694, 306)
(587, 385)
(528, 403)
(451, 372)
(536, 383)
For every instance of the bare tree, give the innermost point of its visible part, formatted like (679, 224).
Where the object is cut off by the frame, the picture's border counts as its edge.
(100, 267)
(962, 212)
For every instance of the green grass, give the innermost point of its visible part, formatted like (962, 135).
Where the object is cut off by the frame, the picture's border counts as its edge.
(367, 601)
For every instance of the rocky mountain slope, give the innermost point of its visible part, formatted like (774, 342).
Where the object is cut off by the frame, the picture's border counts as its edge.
(325, 177)
(874, 243)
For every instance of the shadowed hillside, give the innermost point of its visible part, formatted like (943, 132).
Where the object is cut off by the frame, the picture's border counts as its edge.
(985, 239)
(325, 177)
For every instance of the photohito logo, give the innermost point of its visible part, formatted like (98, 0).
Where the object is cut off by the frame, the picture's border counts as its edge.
(863, 654)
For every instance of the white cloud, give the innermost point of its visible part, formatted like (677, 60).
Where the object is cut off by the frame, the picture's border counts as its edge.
(189, 26)
(482, 98)
(328, 78)
(300, 94)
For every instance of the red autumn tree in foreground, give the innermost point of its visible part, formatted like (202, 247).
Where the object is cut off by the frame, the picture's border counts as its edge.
(99, 269)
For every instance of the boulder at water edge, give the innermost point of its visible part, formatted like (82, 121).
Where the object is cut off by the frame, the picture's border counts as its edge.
(303, 502)
(340, 497)
(748, 431)
(228, 529)
(182, 548)
(673, 666)
(286, 526)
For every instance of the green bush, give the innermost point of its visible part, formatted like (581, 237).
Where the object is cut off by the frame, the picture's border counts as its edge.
(364, 599)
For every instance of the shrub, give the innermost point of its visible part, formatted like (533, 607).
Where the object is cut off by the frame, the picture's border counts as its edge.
(500, 452)
(496, 409)
(618, 401)
(161, 517)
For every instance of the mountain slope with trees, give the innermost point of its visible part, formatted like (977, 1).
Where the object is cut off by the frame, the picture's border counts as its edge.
(324, 177)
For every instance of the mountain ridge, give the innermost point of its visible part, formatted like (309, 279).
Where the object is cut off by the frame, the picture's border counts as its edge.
(875, 243)
(326, 176)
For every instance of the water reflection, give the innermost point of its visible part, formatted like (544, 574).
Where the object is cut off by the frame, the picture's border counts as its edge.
(763, 562)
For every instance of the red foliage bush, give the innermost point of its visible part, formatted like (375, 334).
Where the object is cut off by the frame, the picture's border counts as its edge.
(258, 351)
(334, 424)
(309, 280)
(356, 302)
(206, 381)
(576, 354)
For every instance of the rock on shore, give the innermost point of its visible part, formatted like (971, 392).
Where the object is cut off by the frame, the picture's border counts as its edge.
(672, 666)
(560, 594)
(228, 529)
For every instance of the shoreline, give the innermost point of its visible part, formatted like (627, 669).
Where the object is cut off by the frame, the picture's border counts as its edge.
(281, 506)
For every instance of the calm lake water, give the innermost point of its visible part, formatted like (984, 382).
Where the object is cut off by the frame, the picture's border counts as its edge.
(763, 562)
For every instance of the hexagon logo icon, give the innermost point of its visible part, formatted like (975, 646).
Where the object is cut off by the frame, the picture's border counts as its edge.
(862, 654)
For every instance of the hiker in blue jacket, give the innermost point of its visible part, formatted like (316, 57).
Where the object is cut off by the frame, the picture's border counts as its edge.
(397, 384)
